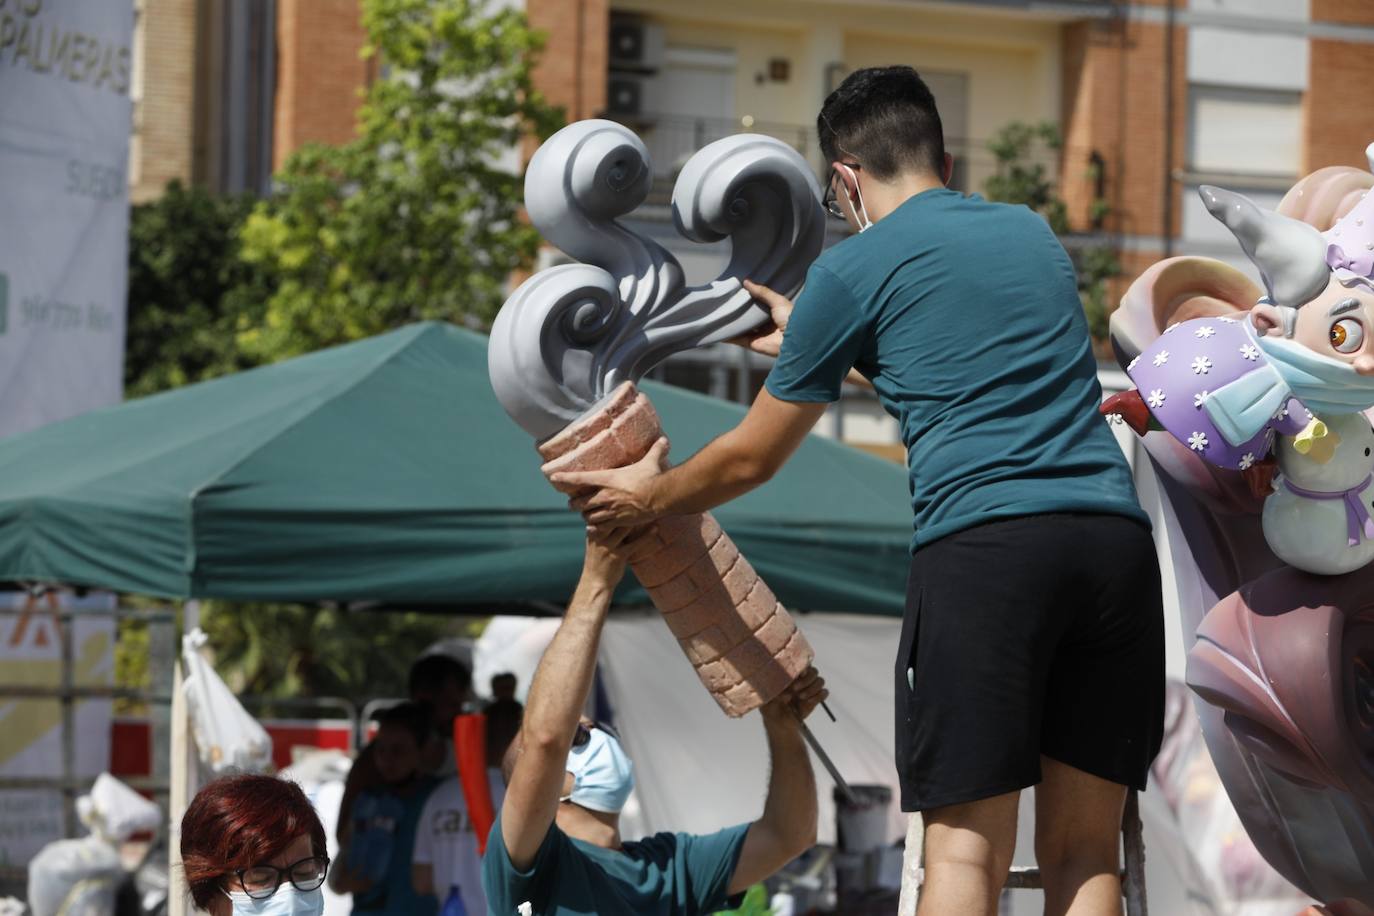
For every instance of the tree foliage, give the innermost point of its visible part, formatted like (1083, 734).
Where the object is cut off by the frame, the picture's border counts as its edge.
(291, 650)
(190, 293)
(418, 216)
(1022, 177)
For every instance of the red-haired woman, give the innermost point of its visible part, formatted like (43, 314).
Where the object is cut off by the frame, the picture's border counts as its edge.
(254, 845)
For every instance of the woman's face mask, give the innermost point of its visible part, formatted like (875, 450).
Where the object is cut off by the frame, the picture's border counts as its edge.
(287, 901)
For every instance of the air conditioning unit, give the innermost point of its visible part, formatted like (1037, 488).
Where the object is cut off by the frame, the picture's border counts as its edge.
(631, 97)
(635, 44)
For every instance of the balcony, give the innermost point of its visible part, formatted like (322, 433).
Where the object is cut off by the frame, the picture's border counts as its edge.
(672, 139)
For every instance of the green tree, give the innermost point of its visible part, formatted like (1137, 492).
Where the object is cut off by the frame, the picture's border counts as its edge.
(418, 217)
(190, 293)
(293, 650)
(1022, 178)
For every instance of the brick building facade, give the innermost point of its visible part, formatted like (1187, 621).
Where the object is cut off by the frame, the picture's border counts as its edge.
(1153, 98)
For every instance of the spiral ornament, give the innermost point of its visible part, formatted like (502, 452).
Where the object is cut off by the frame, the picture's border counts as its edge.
(570, 335)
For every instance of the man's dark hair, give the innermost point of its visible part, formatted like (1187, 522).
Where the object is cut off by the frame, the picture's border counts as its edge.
(885, 118)
(416, 718)
(428, 674)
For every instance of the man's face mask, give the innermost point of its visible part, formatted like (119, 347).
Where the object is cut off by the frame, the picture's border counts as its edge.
(860, 212)
(602, 775)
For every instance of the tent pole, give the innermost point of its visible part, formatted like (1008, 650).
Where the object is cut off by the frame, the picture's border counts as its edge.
(181, 787)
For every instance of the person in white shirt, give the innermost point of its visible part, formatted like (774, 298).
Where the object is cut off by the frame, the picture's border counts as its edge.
(446, 848)
(446, 845)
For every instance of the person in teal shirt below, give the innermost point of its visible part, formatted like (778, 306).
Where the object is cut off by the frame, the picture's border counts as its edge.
(1032, 649)
(555, 848)
(376, 845)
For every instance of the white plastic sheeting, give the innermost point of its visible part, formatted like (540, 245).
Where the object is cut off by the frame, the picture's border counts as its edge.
(228, 739)
(115, 812)
(77, 877)
(698, 771)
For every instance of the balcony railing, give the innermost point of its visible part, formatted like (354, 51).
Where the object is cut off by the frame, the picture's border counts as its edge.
(672, 139)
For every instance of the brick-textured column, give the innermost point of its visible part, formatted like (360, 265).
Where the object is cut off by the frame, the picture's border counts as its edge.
(742, 642)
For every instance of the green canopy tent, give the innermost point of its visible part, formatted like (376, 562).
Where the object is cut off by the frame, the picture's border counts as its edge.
(385, 470)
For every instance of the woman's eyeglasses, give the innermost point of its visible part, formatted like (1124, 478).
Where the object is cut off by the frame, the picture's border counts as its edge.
(262, 881)
(831, 200)
(584, 733)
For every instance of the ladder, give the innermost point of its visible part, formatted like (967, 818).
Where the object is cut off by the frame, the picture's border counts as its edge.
(1023, 877)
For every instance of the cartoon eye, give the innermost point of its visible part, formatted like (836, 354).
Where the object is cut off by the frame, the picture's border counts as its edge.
(1347, 335)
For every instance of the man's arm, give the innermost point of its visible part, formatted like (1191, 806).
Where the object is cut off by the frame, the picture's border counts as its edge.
(342, 879)
(362, 775)
(767, 338)
(557, 696)
(788, 825)
(733, 464)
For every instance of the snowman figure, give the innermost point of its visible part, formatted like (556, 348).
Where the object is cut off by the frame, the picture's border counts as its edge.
(1318, 517)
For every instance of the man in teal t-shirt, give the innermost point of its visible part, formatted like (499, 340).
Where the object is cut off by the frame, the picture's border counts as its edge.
(555, 848)
(1032, 647)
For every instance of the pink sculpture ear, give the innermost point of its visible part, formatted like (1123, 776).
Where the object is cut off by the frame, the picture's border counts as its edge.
(1326, 195)
(1175, 290)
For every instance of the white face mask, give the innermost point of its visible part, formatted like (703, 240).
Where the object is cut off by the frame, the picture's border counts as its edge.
(860, 212)
(287, 901)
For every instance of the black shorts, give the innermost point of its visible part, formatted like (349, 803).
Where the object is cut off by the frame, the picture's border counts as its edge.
(1035, 635)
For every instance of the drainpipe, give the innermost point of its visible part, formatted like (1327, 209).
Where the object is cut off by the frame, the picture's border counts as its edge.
(1168, 191)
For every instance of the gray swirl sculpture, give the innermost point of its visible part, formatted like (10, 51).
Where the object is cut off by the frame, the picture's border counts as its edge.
(570, 335)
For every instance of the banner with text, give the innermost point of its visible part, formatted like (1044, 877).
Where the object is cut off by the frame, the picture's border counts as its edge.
(65, 72)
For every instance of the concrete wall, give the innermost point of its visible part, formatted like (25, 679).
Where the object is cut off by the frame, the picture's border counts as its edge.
(163, 88)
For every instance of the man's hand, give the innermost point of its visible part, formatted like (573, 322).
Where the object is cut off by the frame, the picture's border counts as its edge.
(618, 498)
(606, 549)
(798, 701)
(767, 337)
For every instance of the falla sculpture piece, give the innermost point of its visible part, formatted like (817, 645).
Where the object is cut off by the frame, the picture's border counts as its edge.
(1273, 579)
(570, 343)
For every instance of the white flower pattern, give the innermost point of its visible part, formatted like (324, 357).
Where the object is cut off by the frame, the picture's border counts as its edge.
(1205, 331)
(1201, 365)
(1246, 460)
(1131, 364)
(1156, 398)
(1200, 397)
(1161, 358)
(1227, 320)
(1250, 352)
(1197, 441)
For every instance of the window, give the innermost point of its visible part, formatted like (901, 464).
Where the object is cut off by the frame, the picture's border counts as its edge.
(1245, 131)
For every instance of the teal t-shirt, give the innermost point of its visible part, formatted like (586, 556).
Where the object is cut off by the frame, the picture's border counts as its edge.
(668, 874)
(381, 848)
(965, 316)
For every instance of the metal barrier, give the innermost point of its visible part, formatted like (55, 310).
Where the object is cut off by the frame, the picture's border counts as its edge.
(67, 693)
